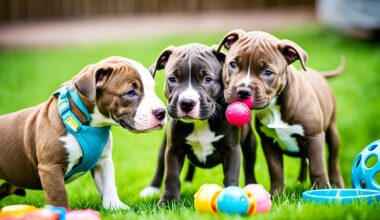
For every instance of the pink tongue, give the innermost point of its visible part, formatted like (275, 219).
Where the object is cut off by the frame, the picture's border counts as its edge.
(248, 102)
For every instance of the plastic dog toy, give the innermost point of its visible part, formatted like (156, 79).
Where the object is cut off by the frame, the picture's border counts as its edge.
(238, 113)
(341, 196)
(365, 178)
(205, 198)
(16, 212)
(248, 102)
(261, 196)
(365, 172)
(87, 214)
(232, 200)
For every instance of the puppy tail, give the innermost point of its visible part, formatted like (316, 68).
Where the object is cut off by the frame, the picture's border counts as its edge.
(337, 71)
(7, 189)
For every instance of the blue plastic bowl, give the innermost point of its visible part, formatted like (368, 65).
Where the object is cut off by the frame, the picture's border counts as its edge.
(341, 196)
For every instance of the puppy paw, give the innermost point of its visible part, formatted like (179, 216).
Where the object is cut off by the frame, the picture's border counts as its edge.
(149, 191)
(321, 185)
(277, 190)
(165, 201)
(115, 205)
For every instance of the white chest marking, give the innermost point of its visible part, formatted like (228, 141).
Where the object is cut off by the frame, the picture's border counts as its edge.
(74, 150)
(75, 153)
(281, 131)
(201, 140)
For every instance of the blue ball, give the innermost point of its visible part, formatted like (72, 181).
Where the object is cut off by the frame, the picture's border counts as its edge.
(365, 172)
(233, 200)
(61, 211)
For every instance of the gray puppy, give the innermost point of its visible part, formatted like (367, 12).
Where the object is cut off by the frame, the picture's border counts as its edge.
(198, 128)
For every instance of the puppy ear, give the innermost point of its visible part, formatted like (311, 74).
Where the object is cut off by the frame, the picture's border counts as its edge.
(90, 78)
(292, 52)
(230, 39)
(162, 60)
(218, 54)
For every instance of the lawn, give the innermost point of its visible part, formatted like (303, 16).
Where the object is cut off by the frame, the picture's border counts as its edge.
(28, 77)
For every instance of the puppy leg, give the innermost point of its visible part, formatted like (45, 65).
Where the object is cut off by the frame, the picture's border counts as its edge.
(275, 165)
(274, 159)
(53, 184)
(154, 186)
(317, 166)
(332, 140)
(303, 170)
(7, 189)
(190, 173)
(174, 163)
(248, 147)
(104, 177)
(231, 165)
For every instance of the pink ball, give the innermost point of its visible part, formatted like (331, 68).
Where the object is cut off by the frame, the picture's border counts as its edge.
(248, 102)
(87, 214)
(262, 197)
(238, 114)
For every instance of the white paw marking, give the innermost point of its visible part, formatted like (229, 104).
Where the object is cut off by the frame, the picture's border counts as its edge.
(149, 191)
(115, 205)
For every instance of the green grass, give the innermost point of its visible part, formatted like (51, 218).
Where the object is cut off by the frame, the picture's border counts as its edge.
(28, 77)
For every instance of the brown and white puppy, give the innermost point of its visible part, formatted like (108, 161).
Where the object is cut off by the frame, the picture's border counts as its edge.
(295, 110)
(198, 128)
(37, 152)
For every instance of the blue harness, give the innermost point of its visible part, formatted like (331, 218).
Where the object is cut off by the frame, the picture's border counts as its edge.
(92, 140)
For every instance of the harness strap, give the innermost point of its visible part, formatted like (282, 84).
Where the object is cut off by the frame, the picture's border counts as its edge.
(92, 140)
(78, 102)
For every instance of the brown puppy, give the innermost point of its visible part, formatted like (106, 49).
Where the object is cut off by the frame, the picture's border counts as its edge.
(37, 151)
(295, 111)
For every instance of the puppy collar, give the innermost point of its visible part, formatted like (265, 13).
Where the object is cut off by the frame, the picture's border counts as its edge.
(92, 140)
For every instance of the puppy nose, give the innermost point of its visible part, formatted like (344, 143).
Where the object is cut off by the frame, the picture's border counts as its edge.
(243, 92)
(159, 113)
(187, 105)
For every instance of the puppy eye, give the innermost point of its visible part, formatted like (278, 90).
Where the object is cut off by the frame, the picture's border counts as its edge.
(233, 65)
(172, 80)
(131, 93)
(268, 73)
(208, 80)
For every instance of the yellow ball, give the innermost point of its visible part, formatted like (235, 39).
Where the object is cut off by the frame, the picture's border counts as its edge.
(205, 198)
(16, 209)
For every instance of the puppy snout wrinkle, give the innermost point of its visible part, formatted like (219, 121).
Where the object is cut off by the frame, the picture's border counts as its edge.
(243, 92)
(159, 113)
(187, 105)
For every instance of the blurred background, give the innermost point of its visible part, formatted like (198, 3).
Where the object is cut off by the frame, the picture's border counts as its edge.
(44, 23)
(44, 43)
